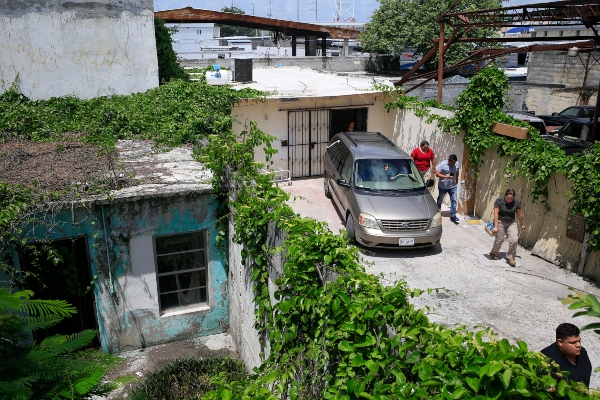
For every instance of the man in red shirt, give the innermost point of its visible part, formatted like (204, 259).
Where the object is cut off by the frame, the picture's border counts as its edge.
(423, 158)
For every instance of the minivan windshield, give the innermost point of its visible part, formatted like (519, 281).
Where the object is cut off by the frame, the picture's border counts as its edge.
(387, 175)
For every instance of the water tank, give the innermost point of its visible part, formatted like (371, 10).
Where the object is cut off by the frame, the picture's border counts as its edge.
(241, 69)
(217, 78)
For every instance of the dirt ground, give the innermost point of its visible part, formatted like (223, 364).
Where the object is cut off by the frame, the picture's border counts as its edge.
(139, 363)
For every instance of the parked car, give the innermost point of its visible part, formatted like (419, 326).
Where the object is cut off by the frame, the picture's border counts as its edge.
(568, 114)
(534, 121)
(574, 137)
(380, 193)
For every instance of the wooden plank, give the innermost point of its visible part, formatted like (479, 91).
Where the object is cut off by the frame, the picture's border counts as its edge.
(509, 130)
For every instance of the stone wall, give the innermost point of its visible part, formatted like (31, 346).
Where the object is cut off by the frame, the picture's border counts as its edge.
(555, 80)
(80, 48)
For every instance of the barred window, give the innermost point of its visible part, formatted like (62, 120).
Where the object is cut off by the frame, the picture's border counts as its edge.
(181, 269)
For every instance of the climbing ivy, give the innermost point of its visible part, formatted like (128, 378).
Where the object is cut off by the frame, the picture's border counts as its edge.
(482, 104)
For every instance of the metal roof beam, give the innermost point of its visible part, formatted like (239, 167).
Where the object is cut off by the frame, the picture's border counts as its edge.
(190, 14)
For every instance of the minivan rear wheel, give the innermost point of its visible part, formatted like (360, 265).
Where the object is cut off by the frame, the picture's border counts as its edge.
(326, 188)
(350, 228)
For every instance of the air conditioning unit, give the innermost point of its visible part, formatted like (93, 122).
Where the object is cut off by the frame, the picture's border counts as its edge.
(241, 69)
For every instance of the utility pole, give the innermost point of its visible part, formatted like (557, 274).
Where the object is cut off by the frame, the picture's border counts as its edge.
(298, 12)
(344, 11)
(270, 9)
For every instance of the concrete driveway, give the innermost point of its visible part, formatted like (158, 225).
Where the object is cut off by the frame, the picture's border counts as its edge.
(521, 303)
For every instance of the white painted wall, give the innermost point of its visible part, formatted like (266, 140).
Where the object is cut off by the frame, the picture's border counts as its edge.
(71, 48)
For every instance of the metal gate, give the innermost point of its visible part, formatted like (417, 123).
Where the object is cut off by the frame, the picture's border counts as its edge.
(308, 134)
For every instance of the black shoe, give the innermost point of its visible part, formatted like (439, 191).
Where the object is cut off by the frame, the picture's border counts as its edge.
(454, 219)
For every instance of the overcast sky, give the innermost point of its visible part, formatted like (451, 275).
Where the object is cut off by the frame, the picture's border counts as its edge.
(288, 9)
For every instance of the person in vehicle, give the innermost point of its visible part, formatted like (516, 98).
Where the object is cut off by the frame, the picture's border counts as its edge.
(423, 157)
(568, 353)
(505, 210)
(364, 173)
(447, 171)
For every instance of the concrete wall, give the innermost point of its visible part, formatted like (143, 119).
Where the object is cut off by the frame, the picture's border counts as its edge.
(126, 293)
(337, 64)
(546, 224)
(81, 48)
(450, 91)
(409, 130)
(555, 80)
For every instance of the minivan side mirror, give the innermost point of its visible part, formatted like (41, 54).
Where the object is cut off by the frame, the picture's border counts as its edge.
(342, 182)
(554, 114)
(429, 183)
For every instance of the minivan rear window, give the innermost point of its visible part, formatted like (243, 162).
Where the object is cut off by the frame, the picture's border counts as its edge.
(387, 175)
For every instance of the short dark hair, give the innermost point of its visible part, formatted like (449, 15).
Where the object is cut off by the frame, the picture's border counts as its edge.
(452, 157)
(566, 330)
(424, 142)
(509, 191)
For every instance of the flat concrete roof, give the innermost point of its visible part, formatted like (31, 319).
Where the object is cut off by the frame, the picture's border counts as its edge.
(159, 173)
(284, 82)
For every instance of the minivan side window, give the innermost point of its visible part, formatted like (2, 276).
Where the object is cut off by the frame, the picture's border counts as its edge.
(347, 169)
(338, 152)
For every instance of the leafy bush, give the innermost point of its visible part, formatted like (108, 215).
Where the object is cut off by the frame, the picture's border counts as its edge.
(187, 378)
(54, 368)
(168, 67)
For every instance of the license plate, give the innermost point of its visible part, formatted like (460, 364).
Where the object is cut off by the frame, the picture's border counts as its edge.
(406, 241)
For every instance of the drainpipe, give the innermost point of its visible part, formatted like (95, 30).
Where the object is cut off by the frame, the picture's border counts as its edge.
(112, 286)
(441, 50)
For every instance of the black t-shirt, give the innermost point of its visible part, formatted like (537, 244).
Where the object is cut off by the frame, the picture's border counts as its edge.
(577, 373)
(507, 210)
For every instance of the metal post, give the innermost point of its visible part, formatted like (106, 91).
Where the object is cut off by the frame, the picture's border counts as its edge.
(293, 46)
(324, 46)
(441, 49)
(585, 74)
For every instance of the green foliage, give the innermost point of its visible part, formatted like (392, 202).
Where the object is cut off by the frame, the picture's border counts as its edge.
(53, 368)
(229, 30)
(589, 306)
(187, 378)
(398, 24)
(168, 67)
(479, 106)
(172, 114)
(335, 332)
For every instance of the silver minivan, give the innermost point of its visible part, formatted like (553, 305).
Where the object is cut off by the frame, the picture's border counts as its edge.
(380, 193)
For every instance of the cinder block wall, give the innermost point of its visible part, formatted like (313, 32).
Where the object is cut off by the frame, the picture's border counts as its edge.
(80, 48)
(555, 80)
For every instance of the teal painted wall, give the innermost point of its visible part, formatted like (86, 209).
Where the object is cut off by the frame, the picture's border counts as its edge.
(126, 292)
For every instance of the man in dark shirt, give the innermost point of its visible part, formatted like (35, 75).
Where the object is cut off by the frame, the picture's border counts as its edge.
(569, 354)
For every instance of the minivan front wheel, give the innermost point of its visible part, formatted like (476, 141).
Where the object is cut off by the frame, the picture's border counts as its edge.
(350, 228)
(326, 188)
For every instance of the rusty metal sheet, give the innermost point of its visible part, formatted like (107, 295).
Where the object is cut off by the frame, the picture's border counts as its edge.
(190, 14)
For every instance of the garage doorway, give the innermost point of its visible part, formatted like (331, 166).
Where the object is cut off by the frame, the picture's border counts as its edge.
(69, 280)
(341, 118)
(309, 132)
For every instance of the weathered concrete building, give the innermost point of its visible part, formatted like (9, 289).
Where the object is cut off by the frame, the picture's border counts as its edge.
(150, 250)
(81, 48)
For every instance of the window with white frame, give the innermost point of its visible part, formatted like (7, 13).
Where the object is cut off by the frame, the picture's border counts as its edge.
(181, 269)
